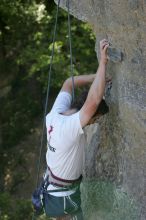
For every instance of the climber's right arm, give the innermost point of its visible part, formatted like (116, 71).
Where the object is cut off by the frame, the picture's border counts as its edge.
(97, 88)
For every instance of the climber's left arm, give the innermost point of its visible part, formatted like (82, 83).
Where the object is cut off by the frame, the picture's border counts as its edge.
(79, 81)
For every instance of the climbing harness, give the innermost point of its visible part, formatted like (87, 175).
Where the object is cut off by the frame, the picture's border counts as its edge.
(56, 181)
(38, 193)
(52, 205)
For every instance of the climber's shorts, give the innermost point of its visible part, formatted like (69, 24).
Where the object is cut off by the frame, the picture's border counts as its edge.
(61, 206)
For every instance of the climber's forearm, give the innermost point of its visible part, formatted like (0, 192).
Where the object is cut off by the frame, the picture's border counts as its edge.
(79, 81)
(97, 88)
(82, 80)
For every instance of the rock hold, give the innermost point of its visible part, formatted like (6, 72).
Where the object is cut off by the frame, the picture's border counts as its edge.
(115, 55)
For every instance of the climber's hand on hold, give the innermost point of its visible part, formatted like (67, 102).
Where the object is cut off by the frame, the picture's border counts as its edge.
(104, 44)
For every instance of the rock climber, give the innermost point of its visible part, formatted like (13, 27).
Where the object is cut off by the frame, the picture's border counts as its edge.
(66, 141)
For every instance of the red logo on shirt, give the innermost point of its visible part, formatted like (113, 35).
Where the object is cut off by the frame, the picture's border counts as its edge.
(50, 129)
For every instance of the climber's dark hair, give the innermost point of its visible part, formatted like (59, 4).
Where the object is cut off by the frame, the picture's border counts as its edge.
(79, 102)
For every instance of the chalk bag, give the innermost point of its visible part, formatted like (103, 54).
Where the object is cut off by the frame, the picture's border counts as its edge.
(37, 201)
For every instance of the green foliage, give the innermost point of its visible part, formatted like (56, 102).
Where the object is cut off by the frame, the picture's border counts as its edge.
(18, 209)
(20, 113)
(37, 55)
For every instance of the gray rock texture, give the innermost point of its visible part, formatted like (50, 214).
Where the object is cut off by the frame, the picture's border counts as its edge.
(114, 184)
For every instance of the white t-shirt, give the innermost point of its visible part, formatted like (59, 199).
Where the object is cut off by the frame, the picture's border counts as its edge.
(66, 138)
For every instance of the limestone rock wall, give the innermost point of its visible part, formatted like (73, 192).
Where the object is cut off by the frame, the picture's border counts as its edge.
(115, 157)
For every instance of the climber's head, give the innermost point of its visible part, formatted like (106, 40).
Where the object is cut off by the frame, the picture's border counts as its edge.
(79, 102)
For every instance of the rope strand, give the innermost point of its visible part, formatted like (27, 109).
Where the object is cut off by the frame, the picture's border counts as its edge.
(70, 46)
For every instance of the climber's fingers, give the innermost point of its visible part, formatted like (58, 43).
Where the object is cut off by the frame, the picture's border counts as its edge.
(105, 47)
(104, 44)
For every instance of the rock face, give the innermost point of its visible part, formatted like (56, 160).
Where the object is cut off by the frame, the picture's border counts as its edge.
(115, 159)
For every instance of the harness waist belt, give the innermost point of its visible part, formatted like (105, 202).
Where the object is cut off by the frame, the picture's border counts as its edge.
(60, 182)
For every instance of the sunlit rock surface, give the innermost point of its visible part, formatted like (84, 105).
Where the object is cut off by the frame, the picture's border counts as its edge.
(114, 184)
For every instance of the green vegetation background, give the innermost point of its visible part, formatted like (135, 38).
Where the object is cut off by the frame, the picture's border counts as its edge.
(26, 28)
